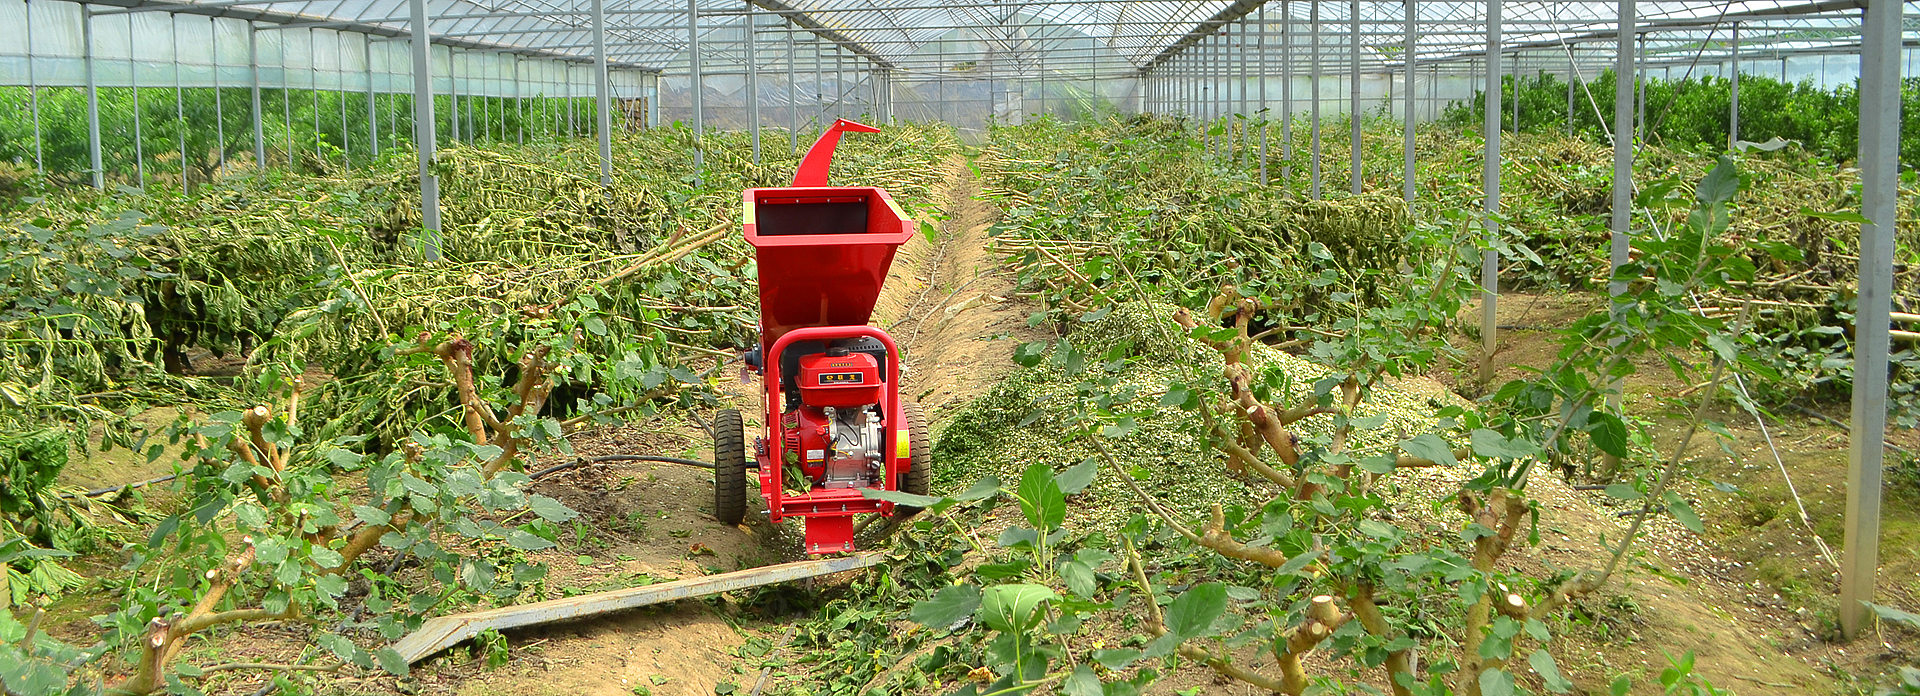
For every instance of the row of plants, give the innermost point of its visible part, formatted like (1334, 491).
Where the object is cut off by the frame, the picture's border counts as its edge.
(1285, 523)
(189, 133)
(1695, 113)
(365, 467)
(1555, 208)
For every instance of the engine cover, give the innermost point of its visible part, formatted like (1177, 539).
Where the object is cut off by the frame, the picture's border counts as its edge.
(840, 379)
(837, 447)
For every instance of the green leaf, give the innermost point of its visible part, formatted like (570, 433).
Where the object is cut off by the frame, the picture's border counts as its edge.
(1293, 565)
(1719, 184)
(521, 539)
(1430, 447)
(1013, 608)
(981, 490)
(1549, 672)
(1609, 433)
(1620, 686)
(901, 497)
(1030, 354)
(392, 662)
(1493, 445)
(1076, 477)
(1376, 529)
(1082, 683)
(946, 607)
(1079, 578)
(417, 486)
(549, 509)
(325, 557)
(1886, 613)
(1683, 513)
(1116, 659)
(928, 231)
(1847, 216)
(343, 458)
(1623, 491)
(370, 515)
(1196, 609)
(1494, 682)
(1041, 499)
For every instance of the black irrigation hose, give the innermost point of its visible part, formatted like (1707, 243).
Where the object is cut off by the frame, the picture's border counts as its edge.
(577, 463)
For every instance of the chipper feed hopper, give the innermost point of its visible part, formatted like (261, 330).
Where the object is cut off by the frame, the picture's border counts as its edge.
(835, 423)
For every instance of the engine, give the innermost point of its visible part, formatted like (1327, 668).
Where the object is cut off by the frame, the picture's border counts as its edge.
(837, 429)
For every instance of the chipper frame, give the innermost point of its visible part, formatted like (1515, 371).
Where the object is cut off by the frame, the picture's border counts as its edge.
(833, 398)
(835, 424)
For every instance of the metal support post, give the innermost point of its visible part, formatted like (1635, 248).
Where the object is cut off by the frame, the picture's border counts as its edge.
(93, 97)
(373, 119)
(696, 86)
(253, 68)
(33, 96)
(1353, 92)
(133, 78)
(1265, 117)
(1490, 178)
(753, 85)
(423, 129)
(1313, 44)
(1623, 100)
(603, 92)
(219, 113)
(793, 98)
(1286, 94)
(1733, 109)
(1411, 51)
(1879, 198)
(179, 95)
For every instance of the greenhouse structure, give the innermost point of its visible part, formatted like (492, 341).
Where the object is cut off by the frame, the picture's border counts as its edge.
(293, 189)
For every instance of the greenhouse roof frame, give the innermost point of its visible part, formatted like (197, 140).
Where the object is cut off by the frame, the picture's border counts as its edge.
(1129, 36)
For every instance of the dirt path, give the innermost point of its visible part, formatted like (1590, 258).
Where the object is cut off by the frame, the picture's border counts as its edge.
(954, 315)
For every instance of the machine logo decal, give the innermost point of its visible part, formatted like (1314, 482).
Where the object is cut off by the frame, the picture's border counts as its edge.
(900, 447)
(842, 378)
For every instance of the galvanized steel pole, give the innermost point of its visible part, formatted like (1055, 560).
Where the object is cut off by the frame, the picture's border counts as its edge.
(793, 99)
(1264, 116)
(753, 85)
(1490, 177)
(1407, 176)
(1733, 109)
(1353, 90)
(1314, 84)
(33, 96)
(603, 95)
(1286, 94)
(93, 97)
(253, 68)
(423, 129)
(696, 86)
(1623, 72)
(1879, 193)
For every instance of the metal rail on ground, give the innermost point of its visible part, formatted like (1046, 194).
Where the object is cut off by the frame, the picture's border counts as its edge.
(443, 632)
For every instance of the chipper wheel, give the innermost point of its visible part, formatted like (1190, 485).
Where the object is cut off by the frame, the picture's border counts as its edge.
(729, 468)
(921, 450)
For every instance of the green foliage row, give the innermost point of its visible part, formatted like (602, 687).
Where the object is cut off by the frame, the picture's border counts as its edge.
(1695, 113)
(189, 132)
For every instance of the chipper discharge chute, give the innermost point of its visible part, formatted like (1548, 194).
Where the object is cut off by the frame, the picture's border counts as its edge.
(835, 423)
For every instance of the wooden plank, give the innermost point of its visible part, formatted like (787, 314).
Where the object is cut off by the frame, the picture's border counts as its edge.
(442, 632)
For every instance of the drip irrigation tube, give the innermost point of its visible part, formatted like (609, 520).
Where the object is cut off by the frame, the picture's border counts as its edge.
(584, 461)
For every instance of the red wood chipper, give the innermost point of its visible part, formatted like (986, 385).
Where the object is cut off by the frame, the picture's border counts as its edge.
(835, 423)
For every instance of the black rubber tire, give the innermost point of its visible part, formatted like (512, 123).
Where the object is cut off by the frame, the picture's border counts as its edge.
(729, 468)
(920, 457)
